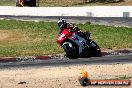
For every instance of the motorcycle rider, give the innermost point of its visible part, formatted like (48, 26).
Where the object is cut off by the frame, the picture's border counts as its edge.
(63, 24)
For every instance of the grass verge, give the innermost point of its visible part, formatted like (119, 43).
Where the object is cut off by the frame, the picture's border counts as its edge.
(69, 3)
(21, 38)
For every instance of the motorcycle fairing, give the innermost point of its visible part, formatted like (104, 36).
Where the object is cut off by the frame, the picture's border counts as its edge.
(81, 42)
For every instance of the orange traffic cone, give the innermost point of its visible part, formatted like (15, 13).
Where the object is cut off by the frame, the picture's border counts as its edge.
(84, 73)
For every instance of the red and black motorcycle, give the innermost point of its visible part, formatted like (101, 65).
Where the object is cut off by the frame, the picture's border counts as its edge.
(76, 46)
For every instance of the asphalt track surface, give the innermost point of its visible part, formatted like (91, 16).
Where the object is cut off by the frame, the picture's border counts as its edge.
(114, 21)
(58, 61)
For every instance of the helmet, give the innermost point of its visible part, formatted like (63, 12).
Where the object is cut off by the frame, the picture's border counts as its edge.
(62, 23)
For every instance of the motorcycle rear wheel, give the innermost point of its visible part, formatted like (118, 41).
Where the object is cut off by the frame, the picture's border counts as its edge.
(95, 50)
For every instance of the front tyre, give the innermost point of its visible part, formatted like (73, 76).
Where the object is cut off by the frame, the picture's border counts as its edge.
(70, 50)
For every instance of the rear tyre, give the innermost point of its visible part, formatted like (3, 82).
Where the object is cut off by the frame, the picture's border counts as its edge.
(71, 52)
(95, 50)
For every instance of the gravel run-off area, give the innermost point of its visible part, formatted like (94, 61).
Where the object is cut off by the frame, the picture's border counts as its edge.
(62, 76)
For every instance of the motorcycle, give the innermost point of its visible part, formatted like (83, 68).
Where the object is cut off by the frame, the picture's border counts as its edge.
(76, 46)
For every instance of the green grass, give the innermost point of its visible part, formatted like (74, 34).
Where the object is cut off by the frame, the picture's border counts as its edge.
(21, 38)
(66, 3)
(7, 3)
(110, 37)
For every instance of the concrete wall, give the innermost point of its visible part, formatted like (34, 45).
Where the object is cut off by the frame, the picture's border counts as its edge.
(92, 11)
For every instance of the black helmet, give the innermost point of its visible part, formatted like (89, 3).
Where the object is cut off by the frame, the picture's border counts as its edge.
(62, 23)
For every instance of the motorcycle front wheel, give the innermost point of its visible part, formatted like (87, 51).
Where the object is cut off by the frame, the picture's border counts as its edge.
(70, 50)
